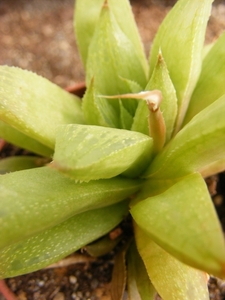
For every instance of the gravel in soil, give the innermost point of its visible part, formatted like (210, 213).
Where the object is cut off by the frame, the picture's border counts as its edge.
(84, 281)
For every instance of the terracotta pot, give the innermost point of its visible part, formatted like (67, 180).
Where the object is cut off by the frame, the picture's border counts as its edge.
(77, 89)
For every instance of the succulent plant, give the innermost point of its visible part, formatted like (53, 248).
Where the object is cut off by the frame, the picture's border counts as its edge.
(140, 143)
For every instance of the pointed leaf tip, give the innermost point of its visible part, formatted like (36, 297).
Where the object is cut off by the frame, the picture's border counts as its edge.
(181, 37)
(198, 240)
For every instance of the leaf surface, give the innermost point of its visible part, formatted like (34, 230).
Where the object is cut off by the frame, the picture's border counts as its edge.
(139, 284)
(18, 163)
(35, 106)
(172, 279)
(180, 38)
(98, 110)
(55, 243)
(112, 56)
(198, 144)
(92, 152)
(160, 80)
(37, 199)
(190, 229)
(213, 168)
(102, 246)
(23, 141)
(126, 118)
(211, 84)
(86, 20)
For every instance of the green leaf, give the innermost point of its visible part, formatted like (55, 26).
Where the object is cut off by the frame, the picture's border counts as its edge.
(189, 226)
(35, 106)
(85, 22)
(92, 152)
(140, 121)
(211, 84)
(131, 104)
(126, 118)
(102, 246)
(133, 86)
(152, 187)
(37, 199)
(160, 80)
(172, 279)
(17, 163)
(21, 140)
(124, 16)
(197, 145)
(180, 38)
(86, 15)
(206, 49)
(139, 285)
(98, 110)
(55, 243)
(112, 56)
(213, 168)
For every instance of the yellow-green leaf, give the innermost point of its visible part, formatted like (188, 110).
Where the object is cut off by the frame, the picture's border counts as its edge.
(37, 199)
(180, 38)
(211, 84)
(139, 284)
(21, 140)
(93, 152)
(102, 246)
(160, 80)
(98, 110)
(112, 56)
(172, 279)
(53, 244)
(195, 146)
(35, 106)
(86, 20)
(18, 163)
(126, 118)
(183, 221)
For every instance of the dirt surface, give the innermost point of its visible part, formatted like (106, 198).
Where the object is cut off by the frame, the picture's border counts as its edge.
(76, 281)
(38, 35)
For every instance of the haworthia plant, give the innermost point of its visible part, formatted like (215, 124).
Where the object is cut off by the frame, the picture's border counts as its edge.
(136, 146)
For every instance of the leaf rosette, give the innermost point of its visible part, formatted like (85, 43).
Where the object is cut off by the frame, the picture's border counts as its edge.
(140, 142)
